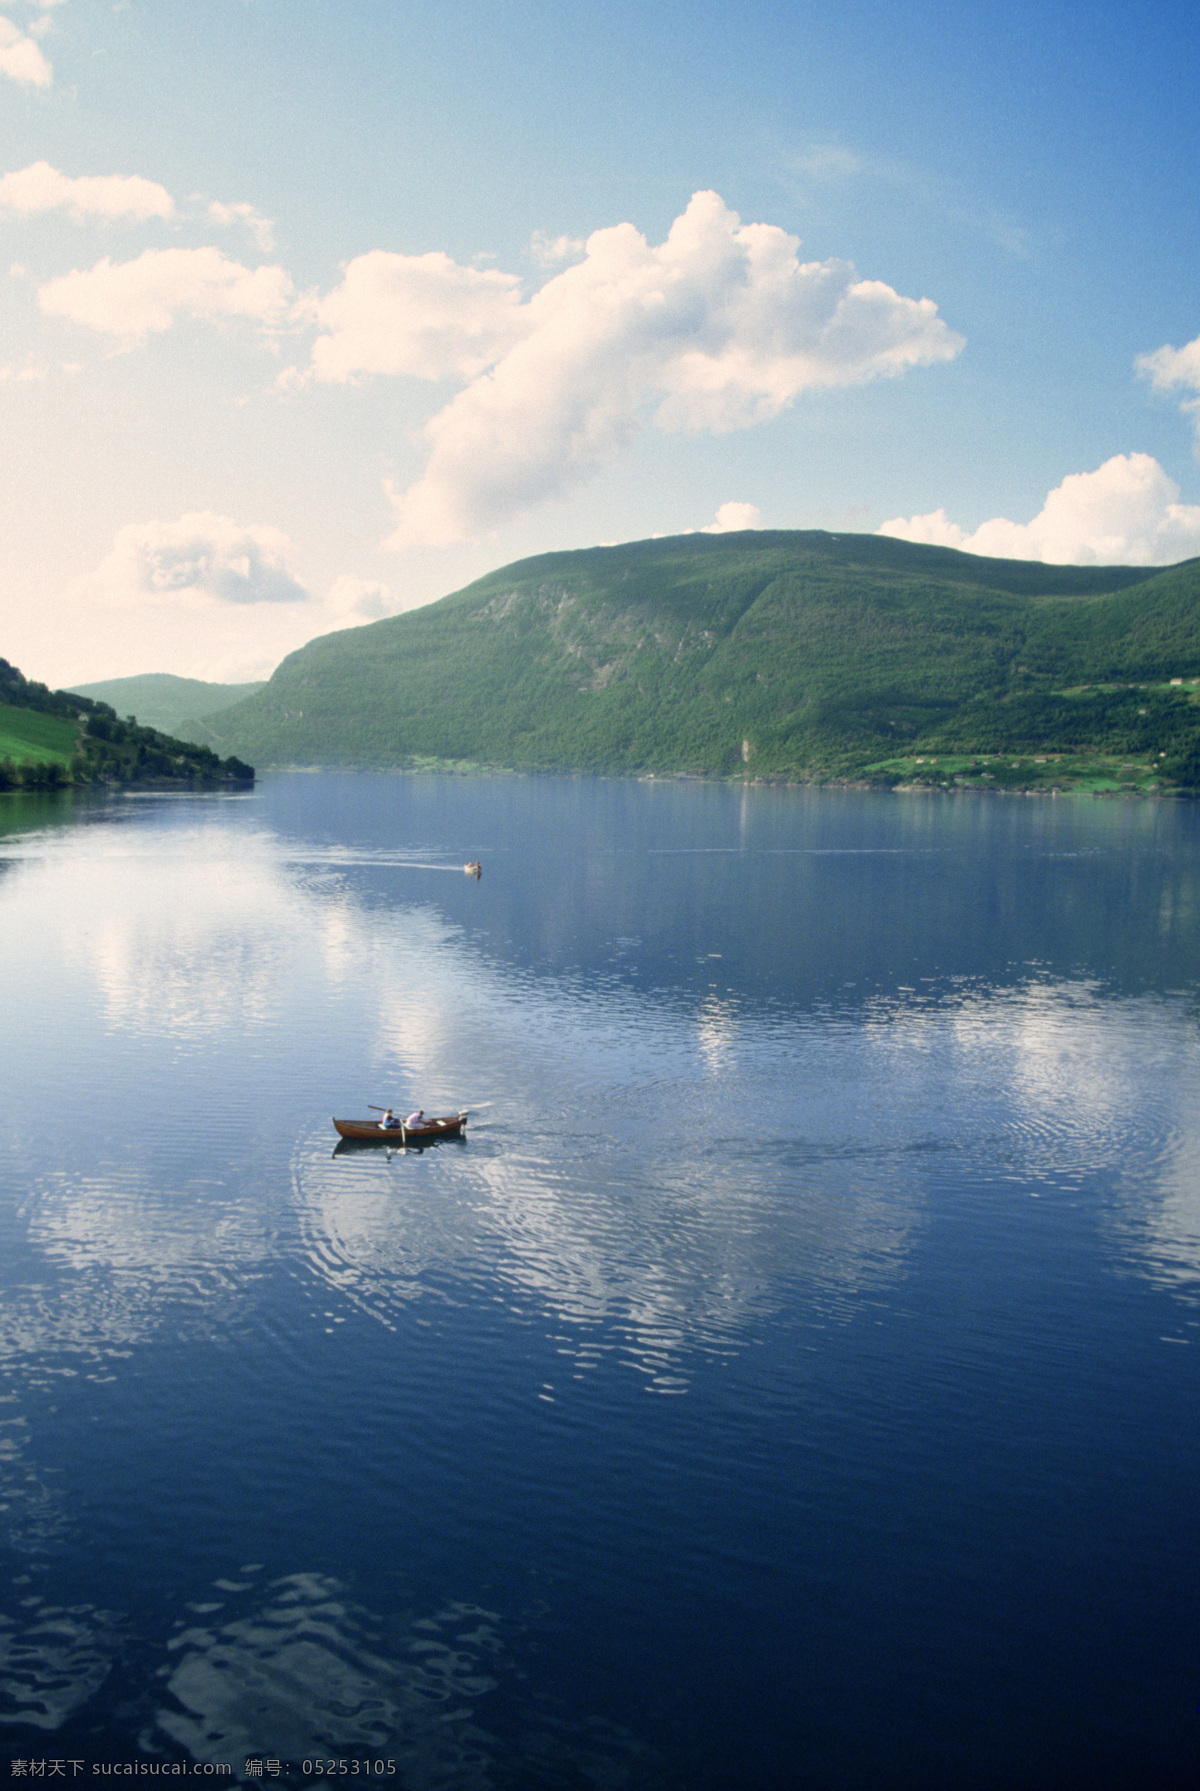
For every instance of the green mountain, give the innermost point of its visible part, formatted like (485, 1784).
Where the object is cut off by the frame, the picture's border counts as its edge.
(162, 701)
(49, 738)
(773, 655)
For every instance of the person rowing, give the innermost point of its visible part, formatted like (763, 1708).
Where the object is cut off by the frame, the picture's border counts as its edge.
(414, 1119)
(389, 1122)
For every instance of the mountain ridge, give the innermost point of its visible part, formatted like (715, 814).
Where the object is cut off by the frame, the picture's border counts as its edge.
(163, 700)
(788, 655)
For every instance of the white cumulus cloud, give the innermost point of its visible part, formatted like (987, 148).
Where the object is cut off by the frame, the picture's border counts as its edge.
(423, 315)
(352, 600)
(733, 516)
(548, 251)
(1126, 513)
(41, 188)
(1173, 370)
(21, 59)
(260, 228)
(718, 328)
(201, 556)
(108, 198)
(203, 596)
(131, 299)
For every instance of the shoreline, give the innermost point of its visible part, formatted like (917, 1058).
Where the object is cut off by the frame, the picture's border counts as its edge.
(954, 784)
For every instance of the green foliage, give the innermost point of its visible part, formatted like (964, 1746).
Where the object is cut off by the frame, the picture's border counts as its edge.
(1183, 765)
(55, 737)
(777, 655)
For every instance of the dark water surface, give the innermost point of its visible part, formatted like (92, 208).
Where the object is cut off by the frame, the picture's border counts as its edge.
(792, 1380)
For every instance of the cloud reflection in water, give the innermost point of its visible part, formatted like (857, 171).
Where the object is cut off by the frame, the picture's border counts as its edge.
(298, 1669)
(301, 1671)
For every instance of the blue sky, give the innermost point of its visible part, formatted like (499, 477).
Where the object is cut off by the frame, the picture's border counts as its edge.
(313, 312)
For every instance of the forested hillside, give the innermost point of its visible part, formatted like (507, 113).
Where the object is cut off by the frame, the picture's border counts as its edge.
(161, 700)
(779, 655)
(50, 738)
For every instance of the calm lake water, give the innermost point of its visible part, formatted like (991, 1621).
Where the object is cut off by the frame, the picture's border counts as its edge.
(791, 1381)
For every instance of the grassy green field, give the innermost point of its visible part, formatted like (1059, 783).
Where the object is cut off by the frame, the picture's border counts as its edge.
(761, 655)
(28, 738)
(53, 737)
(1091, 773)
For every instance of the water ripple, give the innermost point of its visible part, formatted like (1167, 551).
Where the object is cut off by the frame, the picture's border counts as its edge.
(302, 1673)
(53, 1661)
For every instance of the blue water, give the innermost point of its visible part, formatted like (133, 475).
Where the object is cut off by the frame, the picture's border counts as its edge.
(792, 1379)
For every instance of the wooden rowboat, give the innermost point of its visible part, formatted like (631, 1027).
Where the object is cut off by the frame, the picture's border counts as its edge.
(368, 1131)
